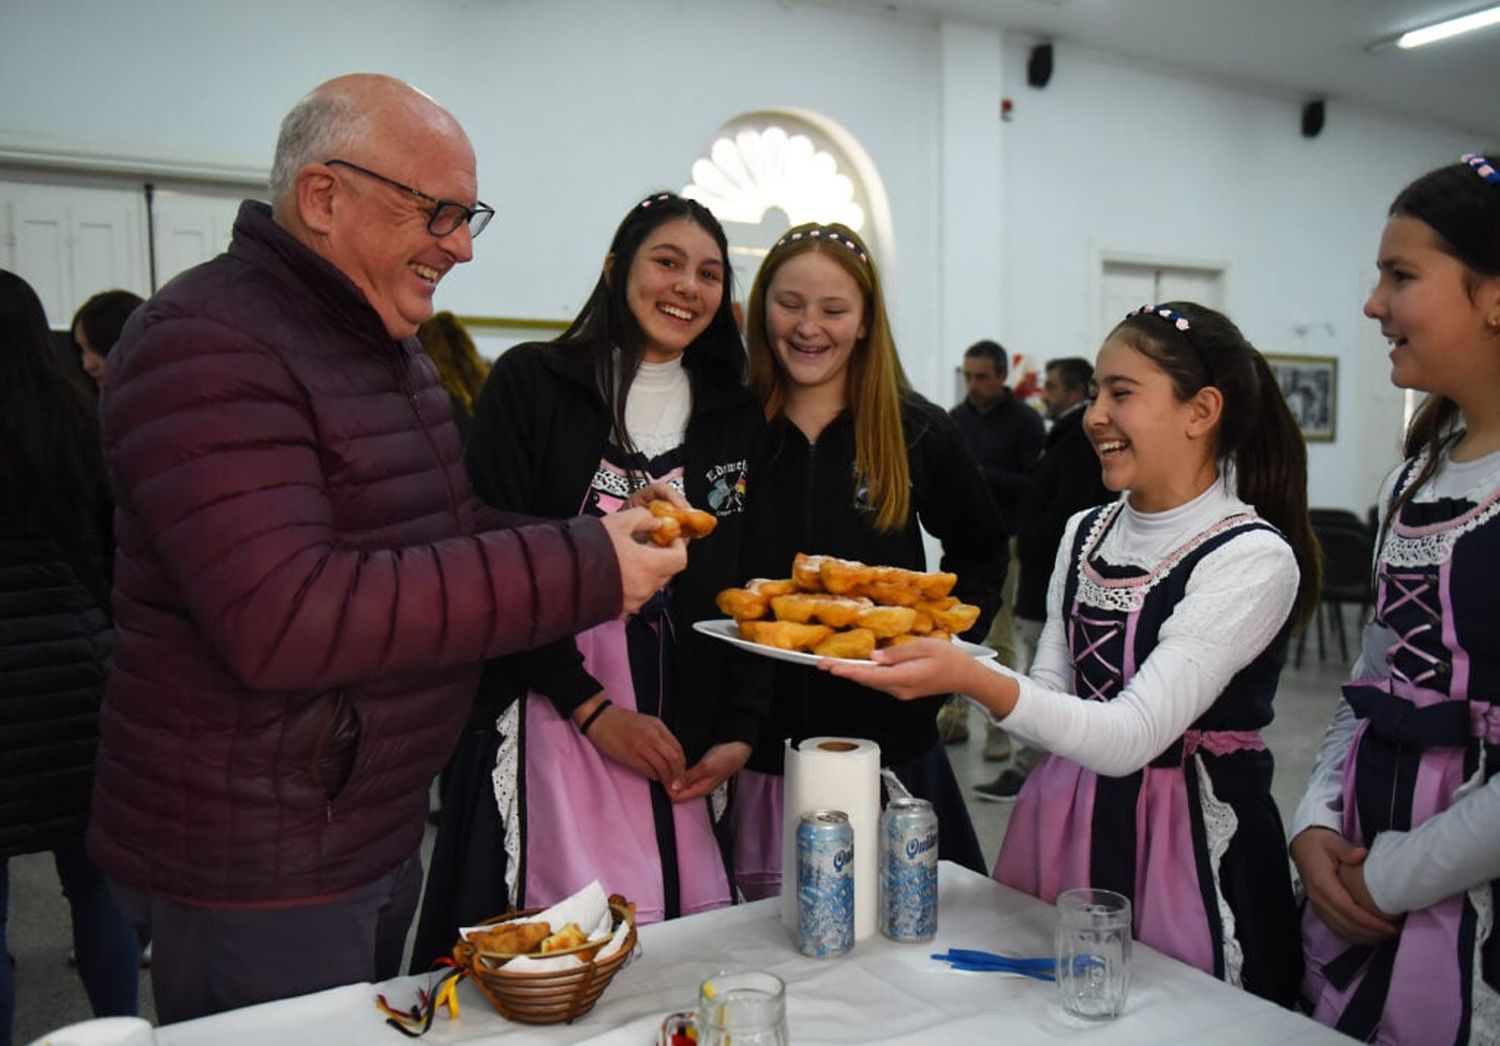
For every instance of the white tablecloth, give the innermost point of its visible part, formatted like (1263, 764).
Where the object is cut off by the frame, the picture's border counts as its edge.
(882, 992)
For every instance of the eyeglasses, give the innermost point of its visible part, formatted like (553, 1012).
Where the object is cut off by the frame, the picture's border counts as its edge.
(445, 216)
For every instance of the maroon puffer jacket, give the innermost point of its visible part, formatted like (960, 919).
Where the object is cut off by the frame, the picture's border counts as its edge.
(300, 607)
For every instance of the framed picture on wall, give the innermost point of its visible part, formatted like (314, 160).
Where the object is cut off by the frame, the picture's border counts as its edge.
(1310, 385)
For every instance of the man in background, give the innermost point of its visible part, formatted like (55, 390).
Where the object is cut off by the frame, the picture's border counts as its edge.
(1005, 436)
(1067, 480)
(304, 586)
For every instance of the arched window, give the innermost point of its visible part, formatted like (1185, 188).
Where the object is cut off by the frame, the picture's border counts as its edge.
(768, 171)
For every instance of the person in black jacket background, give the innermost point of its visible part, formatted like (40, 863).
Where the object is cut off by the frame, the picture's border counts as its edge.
(1067, 479)
(856, 465)
(596, 756)
(55, 641)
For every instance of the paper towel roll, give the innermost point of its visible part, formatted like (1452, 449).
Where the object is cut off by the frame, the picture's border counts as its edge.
(833, 773)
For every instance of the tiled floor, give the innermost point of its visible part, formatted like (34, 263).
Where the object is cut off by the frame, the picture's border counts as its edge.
(48, 993)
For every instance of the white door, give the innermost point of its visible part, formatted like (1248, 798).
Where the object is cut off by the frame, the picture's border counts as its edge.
(191, 227)
(71, 241)
(1126, 286)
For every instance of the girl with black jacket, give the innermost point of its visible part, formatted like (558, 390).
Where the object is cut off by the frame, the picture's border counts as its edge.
(596, 757)
(55, 641)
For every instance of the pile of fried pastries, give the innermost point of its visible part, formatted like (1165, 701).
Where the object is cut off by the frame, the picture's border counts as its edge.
(841, 608)
(679, 522)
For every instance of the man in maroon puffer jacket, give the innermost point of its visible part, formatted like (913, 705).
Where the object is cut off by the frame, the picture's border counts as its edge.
(304, 585)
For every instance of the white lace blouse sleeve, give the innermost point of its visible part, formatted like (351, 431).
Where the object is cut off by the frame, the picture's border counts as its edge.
(1235, 602)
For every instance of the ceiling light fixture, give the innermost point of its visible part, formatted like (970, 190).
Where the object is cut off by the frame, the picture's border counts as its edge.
(1431, 34)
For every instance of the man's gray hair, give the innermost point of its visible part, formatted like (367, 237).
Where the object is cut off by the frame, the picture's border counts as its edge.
(318, 128)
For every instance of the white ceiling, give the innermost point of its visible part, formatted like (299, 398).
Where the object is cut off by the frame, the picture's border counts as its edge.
(1296, 49)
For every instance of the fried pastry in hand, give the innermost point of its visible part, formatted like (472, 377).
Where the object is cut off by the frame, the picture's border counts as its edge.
(679, 522)
(853, 643)
(510, 938)
(785, 635)
(666, 532)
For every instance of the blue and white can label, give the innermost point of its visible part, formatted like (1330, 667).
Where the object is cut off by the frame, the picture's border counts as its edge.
(825, 884)
(908, 870)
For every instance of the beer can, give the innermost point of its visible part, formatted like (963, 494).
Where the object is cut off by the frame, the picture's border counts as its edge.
(825, 883)
(908, 876)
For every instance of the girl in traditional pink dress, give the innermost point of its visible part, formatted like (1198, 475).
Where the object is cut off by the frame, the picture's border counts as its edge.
(1167, 623)
(1398, 837)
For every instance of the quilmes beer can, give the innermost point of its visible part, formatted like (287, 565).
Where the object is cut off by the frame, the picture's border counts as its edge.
(908, 876)
(825, 883)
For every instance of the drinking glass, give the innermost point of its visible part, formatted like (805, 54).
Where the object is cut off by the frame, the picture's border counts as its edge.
(1093, 952)
(747, 1008)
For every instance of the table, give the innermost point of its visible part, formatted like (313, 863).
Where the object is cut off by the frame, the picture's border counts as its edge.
(882, 992)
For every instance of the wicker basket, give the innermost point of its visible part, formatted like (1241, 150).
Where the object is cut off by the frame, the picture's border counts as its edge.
(551, 997)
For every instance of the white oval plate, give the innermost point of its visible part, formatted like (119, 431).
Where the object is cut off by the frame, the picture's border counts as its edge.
(725, 628)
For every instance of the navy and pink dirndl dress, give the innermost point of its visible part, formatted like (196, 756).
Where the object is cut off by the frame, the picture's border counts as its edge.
(1194, 839)
(1428, 733)
(570, 813)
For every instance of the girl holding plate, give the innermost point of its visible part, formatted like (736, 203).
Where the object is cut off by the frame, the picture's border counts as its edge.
(856, 465)
(1167, 623)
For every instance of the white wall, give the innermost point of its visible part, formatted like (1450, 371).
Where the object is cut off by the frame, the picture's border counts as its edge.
(578, 107)
(1108, 158)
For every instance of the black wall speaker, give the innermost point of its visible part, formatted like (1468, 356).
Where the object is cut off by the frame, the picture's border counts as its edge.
(1039, 65)
(1312, 119)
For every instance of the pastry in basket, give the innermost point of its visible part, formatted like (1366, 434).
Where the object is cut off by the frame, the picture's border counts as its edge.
(785, 635)
(570, 936)
(617, 900)
(854, 643)
(512, 938)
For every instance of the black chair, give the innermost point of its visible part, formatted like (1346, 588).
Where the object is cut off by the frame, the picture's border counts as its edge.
(1347, 551)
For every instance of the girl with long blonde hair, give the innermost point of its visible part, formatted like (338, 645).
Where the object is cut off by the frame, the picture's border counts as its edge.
(856, 465)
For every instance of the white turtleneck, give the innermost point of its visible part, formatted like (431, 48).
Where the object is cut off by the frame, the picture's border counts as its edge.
(657, 409)
(1236, 600)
